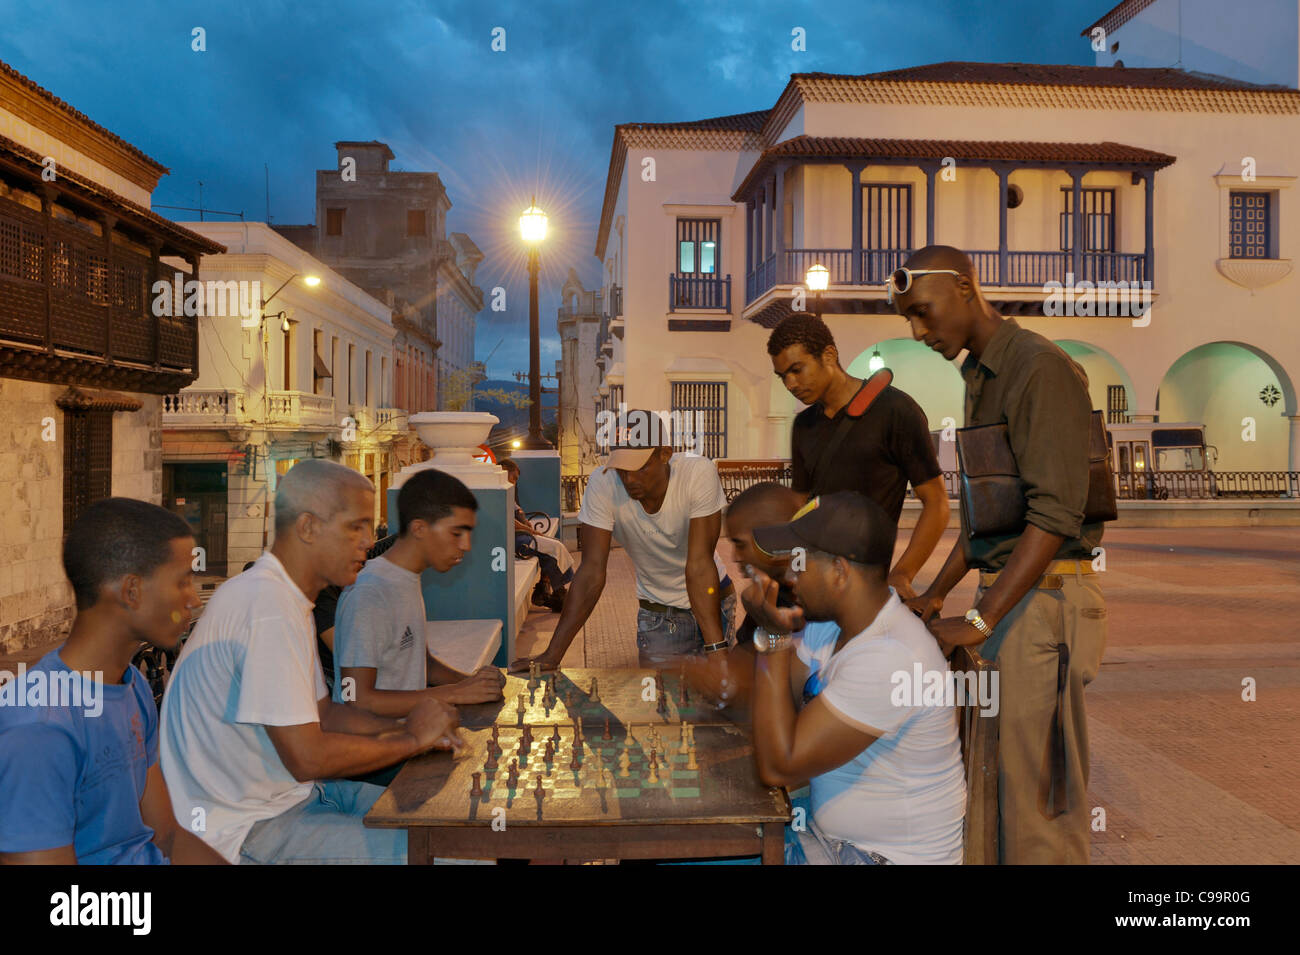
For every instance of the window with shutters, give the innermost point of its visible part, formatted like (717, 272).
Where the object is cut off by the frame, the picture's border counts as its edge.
(1098, 219)
(1249, 225)
(334, 221)
(87, 461)
(700, 417)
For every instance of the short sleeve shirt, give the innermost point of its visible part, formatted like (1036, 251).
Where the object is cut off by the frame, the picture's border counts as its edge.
(888, 447)
(657, 543)
(250, 663)
(904, 796)
(381, 626)
(74, 764)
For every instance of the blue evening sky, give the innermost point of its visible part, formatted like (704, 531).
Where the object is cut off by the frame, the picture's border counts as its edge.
(280, 82)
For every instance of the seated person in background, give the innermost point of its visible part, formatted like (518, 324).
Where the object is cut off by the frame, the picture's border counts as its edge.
(79, 777)
(253, 749)
(381, 656)
(553, 557)
(887, 778)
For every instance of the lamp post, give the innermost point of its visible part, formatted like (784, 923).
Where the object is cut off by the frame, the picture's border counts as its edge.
(818, 278)
(532, 228)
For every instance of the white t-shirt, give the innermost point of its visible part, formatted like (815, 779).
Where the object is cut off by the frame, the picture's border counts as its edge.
(380, 624)
(250, 663)
(656, 542)
(904, 796)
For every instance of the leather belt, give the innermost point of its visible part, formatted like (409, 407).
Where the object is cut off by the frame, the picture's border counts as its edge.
(660, 608)
(1053, 577)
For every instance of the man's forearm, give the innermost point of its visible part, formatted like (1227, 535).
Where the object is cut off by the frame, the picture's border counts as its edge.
(1028, 561)
(702, 587)
(774, 714)
(584, 593)
(360, 719)
(925, 537)
(437, 673)
(954, 569)
(349, 754)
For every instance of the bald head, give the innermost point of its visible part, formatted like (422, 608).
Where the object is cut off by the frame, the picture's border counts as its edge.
(762, 504)
(942, 257)
(315, 486)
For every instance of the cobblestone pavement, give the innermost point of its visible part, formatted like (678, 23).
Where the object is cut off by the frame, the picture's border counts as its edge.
(1186, 771)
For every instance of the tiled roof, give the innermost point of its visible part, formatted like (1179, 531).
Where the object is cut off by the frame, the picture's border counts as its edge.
(1117, 16)
(85, 188)
(739, 122)
(1053, 74)
(79, 116)
(834, 147)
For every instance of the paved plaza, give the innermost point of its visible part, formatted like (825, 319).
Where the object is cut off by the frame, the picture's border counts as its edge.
(1185, 770)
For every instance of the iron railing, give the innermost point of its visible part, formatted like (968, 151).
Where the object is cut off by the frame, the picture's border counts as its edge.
(699, 292)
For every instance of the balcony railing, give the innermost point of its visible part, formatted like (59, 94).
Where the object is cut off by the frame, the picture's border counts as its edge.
(1023, 269)
(703, 292)
(222, 408)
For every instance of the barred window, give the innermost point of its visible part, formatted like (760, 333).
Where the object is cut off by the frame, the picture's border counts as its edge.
(700, 417)
(1249, 225)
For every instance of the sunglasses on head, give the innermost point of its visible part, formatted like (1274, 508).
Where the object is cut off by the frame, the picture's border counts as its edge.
(901, 279)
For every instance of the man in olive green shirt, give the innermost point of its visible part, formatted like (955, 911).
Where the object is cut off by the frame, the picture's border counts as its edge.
(1039, 611)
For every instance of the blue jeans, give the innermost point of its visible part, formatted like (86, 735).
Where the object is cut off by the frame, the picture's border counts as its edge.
(326, 829)
(663, 637)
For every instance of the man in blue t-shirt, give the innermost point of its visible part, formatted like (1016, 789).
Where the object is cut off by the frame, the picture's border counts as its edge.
(79, 774)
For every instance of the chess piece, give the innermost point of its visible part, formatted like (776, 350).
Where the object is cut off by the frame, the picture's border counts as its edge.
(490, 767)
(606, 735)
(496, 735)
(594, 695)
(555, 735)
(683, 747)
(575, 764)
(550, 751)
(690, 758)
(628, 741)
(522, 708)
(654, 776)
(477, 788)
(624, 762)
(512, 777)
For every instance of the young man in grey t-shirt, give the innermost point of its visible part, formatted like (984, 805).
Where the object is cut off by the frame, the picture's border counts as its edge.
(381, 662)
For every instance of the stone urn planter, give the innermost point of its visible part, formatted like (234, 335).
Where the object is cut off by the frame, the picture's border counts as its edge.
(453, 436)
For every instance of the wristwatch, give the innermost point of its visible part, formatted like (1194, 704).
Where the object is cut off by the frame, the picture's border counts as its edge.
(975, 620)
(765, 642)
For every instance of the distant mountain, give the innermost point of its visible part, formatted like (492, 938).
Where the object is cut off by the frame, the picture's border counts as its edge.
(514, 421)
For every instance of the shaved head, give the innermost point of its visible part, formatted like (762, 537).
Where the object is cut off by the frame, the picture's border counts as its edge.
(315, 486)
(762, 504)
(942, 257)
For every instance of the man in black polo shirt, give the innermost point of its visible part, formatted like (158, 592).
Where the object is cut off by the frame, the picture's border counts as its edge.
(884, 446)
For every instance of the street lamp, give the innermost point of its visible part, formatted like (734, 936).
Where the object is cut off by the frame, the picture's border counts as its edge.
(875, 363)
(818, 278)
(311, 281)
(532, 228)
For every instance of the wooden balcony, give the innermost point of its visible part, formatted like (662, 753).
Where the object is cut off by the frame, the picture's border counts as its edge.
(77, 266)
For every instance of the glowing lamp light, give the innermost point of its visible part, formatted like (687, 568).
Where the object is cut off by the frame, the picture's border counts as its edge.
(876, 362)
(311, 281)
(532, 224)
(516, 443)
(818, 277)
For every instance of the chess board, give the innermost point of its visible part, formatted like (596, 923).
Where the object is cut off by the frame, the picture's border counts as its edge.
(723, 784)
(624, 696)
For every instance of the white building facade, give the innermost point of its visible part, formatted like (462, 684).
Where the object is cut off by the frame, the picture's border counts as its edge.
(1186, 188)
(308, 376)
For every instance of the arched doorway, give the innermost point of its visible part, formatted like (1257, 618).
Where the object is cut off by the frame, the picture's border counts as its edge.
(1241, 394)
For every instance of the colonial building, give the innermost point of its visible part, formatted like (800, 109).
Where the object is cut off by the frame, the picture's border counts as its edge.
(307, 375)
(1171, 186)
(386, 231)
(580, 321)
(84, 359)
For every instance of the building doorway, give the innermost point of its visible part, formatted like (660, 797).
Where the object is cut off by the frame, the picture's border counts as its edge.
(198, 492)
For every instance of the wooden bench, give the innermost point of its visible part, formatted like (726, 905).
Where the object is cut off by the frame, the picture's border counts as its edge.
(979, 749)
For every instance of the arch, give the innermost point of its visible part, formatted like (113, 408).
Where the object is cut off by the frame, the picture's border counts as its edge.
(1222, 384)
(1103, 370)
(933, 383)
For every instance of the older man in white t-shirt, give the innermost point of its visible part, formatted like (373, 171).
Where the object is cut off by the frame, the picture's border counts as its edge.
(252, 747)
(666, 511)
(887, 780)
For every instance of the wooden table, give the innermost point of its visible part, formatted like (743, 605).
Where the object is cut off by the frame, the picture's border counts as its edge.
(588, 808)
